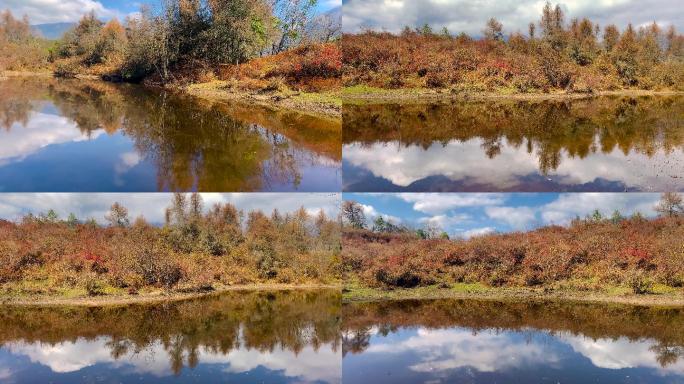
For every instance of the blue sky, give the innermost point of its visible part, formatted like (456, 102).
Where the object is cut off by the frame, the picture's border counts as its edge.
(470, 214)
(51, 11)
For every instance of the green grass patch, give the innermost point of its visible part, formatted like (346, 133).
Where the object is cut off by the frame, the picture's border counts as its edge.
(662, 289)
(324, 98)
(617, 291)
(470, 288)
(363, 90)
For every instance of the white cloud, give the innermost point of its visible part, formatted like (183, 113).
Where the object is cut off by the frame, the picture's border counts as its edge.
(443, 350)
(371, 214)
(516, 217)
(569, 205)
(41, 130)
(477, 232)
(436, 203)
(621, 353)
(152, 205)
(5, 373)
(309, 365)
(512, 167)
(127, 161)
(437, 352)
(470, 16)
(53, 11)
(445, 222)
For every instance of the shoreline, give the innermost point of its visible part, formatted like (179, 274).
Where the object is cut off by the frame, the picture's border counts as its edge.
(323, 105)
(368, 95)
(362, 294)
(315, 104)
(154, 297)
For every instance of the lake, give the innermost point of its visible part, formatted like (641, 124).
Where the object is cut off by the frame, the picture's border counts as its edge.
(91, 136)
(606, 143)
(469, 341)
(236, 337)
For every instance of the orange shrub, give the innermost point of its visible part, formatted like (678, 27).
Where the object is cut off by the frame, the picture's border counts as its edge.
(600, 251)
(314, 67)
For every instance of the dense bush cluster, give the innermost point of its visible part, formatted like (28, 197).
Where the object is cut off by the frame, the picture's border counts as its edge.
(193, 250)
(588, 254)
(315, 67)
(192, 40)
(575, 56)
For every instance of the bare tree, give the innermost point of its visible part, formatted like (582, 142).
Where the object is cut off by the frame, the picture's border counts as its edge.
(293, 18)
(324, 29)
(118, 216)
(494, 30)
(671, 204)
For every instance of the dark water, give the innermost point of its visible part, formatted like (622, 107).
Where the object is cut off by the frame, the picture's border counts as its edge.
(63, 135)
(278, 337)
(597, 144)
(450, 341)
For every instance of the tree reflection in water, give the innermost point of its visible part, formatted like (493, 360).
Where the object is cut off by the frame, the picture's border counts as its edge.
(618, 328)
(462, 140)
(222, 328)
(194, 145)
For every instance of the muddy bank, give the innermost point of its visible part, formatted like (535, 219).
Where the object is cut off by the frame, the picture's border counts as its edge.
(373, 95)
(154, 296)
(673, 299)
(326, 105)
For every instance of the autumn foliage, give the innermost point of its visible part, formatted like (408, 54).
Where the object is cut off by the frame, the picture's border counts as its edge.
(574, 56)
(315, 67)
(194, 250)
(19, 48)
(589, 254)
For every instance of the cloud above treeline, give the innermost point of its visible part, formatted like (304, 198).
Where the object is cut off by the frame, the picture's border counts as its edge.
(152, 205)
(470, 16)
(55, 11)
(474, 214)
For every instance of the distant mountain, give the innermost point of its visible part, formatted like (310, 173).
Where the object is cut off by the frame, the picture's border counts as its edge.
(52, 31)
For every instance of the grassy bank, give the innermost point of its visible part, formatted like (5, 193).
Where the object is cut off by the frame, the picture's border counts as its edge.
(661, 295)
(117, 296)
(327, 103)
(361, 94)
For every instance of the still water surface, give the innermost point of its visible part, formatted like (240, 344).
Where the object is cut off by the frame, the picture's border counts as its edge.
(76, 135)
(270, 337)
(597, 144)
(455, 341)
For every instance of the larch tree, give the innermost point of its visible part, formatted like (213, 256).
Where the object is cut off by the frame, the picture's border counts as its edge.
(611, 36)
